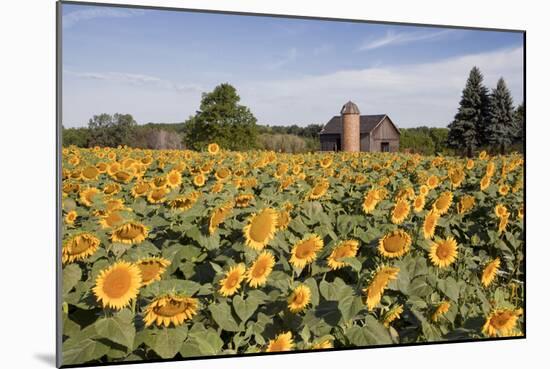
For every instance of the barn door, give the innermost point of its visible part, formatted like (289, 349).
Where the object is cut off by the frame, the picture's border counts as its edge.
(385, 147)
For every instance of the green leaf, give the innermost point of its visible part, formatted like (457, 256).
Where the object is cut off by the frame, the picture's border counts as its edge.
(355, 264)
(80, 351)
(449, 287)
(166, 342)
(244, 308)
(119, 328)
(373, 333)
(310, 282)
(349, 306)
(202, 343)
(223, 317)
(419, 287)
(336, 290)
(71, 276)
(185, 287)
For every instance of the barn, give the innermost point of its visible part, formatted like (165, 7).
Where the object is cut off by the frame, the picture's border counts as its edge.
(351, 131)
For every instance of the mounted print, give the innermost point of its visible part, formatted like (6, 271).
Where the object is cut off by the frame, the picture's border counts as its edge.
(237, 184)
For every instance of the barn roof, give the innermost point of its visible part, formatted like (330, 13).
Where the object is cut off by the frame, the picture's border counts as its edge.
(367, 124)
(350, 108)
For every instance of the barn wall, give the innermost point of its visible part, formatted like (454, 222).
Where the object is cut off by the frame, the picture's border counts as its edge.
(385, 132)
(328, 141)
(365, 142)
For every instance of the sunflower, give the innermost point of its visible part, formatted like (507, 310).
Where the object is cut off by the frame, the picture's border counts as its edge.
(392, 315)
(283, 219)
(159, 182)
(88, 196)
(520, 212)
(79, 247)
(114, 204)
(482, 155)
(111, 219)
(152, 268)
(470, 164)
(429, 225)
(232, 281)
(299, 299)
(441, 309)
(170, 308)
(283, 342)
(218, 216)
(503, 223)
(418, 203)
(424, 190)
(184, 202)
(260, 269)
(501, 211)
(325, 162)
(90, 173)
(222, 174)
(199, 180)
(322, 345)
(140, 189)
(260, 228)
(243, 201)
(503, 189)
(378, 284)
(111, 188)
(395, 244)
(305, 251)
(466, 203)
(117, 285)
(490, 170)
(490, 272)
(485, 182)
(444, 252)
(370, 201)
(400, 211)
(173, 179)
(501, 322)
(443, 202)
(130, 233)
(345, 249)
(213, 148)
(70, 217)
(124, 176)
(432, 182)
(456, 176)
(157, 195)
(319, 190)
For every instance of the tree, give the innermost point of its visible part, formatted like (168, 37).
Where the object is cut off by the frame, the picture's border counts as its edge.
(468, 129)
(501, 130)
(223, 120)
(519, 123)
(111, 131)
(75, 136)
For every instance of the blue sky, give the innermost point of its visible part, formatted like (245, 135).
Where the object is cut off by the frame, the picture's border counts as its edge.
(155, 64)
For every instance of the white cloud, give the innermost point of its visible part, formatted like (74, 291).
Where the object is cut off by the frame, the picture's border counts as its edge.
(136, 80)
(72, 18)
(410, 94)
(392, 38)
(288, 58)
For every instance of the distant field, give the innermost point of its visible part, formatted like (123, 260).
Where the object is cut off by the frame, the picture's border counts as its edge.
(176, 254)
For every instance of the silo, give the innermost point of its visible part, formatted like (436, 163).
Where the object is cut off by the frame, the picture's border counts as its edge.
(350, 127)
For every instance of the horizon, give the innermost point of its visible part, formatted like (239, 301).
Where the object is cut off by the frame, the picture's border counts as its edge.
(155, 65)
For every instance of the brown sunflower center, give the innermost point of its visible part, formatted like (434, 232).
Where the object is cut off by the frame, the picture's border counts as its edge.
(80, 244)
(172, 308)
(113, 219)
(299, 298)
(130, 232)
(501, 319)
(232, 280)
(261, 225)
(117, 283)
(149, 270)
(395, 243)
(141, 188)
(305, 249)
(444, 250)
(259, 270)
(90, 172)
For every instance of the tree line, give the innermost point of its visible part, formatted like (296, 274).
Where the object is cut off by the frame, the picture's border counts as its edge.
(483, 121)
(486, 120)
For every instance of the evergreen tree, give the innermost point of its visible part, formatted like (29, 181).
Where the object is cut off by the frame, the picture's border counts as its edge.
(468, 129)
(519, 123)
(223, 120)
(501, 130)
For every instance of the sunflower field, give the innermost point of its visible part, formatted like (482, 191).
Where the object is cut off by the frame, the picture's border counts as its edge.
(176, 254)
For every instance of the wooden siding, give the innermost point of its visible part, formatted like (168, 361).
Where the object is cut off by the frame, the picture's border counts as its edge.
(329, 140)
(384, 132)
(365, 142)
